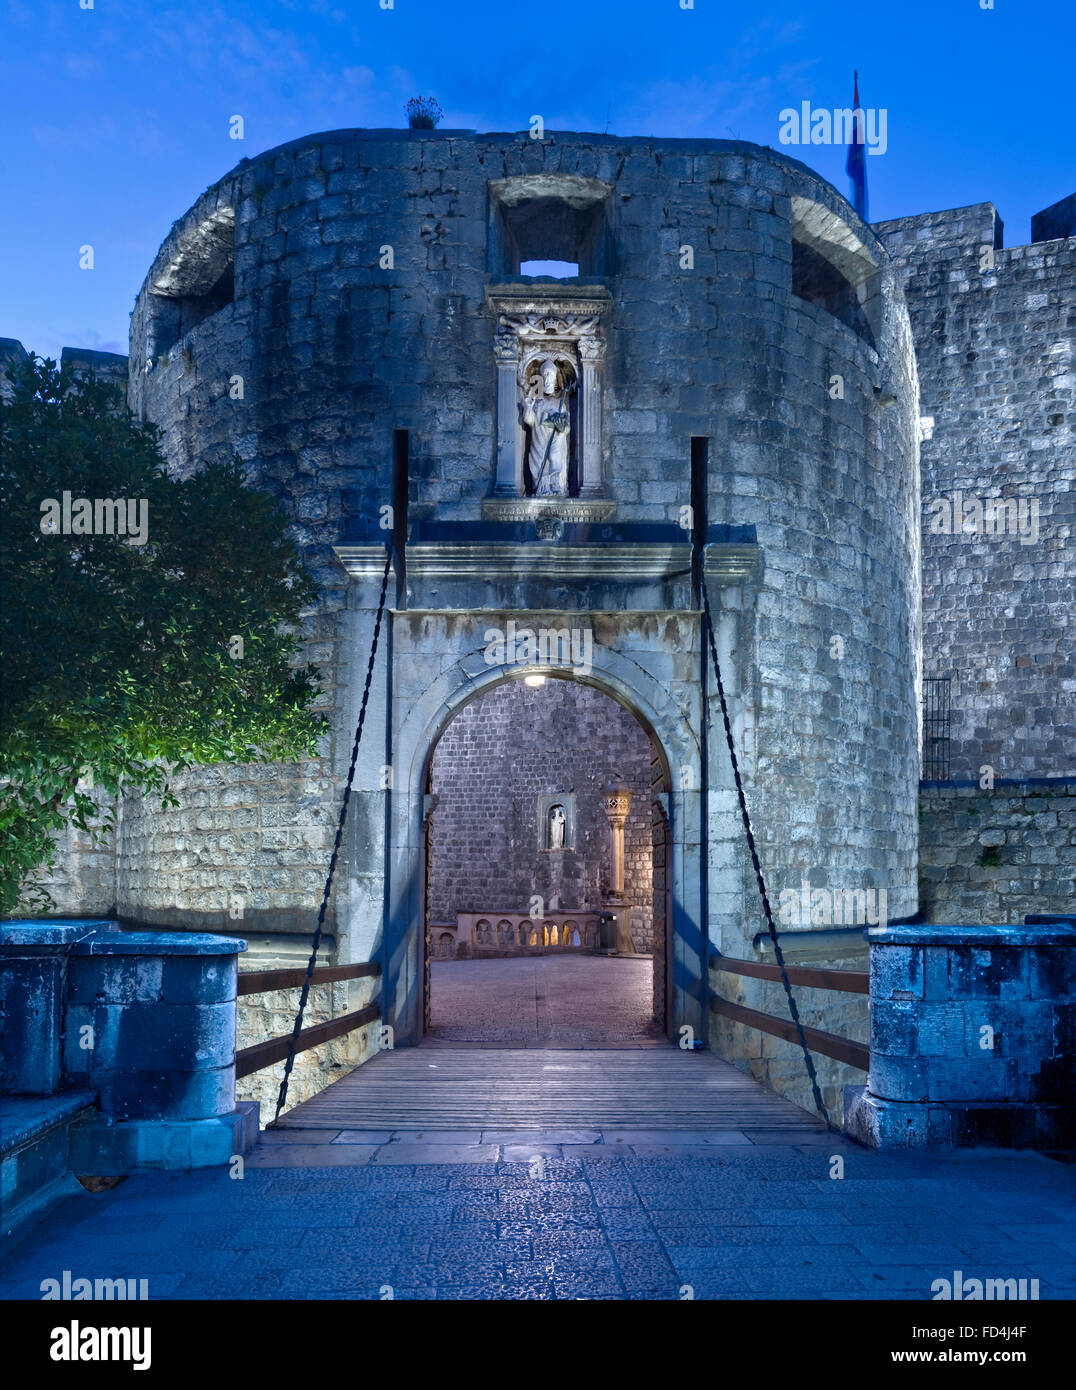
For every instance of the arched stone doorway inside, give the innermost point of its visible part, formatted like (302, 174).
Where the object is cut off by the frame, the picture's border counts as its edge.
(531, 787)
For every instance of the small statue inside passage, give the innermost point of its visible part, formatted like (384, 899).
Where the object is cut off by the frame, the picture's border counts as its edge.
(556, 827)
(547, 417)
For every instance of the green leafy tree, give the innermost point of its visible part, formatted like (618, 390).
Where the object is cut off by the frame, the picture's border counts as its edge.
(119, 655)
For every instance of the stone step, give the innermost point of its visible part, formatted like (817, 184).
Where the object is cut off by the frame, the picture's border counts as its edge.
(35, 1143)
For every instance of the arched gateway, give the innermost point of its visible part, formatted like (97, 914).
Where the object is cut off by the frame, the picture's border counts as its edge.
(441, 663)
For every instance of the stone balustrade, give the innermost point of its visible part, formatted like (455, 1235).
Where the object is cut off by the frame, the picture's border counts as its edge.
(480, 934)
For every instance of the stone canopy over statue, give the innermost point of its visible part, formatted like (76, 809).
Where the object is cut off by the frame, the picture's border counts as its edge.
(546, 414)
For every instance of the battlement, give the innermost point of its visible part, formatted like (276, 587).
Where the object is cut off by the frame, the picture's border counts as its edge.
(927, 234)
(1058, 220)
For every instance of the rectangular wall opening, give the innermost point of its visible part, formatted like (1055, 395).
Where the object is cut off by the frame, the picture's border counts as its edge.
(559, 270)
(550, 224)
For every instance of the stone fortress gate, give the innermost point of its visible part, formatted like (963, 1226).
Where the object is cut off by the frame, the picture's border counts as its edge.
(724, 395)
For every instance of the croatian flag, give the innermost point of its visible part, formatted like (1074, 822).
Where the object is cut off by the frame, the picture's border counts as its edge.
(856, 166)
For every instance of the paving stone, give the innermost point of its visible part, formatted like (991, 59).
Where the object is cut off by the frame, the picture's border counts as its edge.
(674, 1138)
(437, 1136)
(478, 1231)
(515, 1153)
(880, 1280)
(447, 1154)
(660, 1150)
(311, 1155)
(797, 1139)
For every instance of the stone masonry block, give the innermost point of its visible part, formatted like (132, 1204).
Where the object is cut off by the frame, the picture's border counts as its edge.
(115, 979)
(999, 972)
(941, 1030)
(197, 1095)
(984, 1077)
(897, 972)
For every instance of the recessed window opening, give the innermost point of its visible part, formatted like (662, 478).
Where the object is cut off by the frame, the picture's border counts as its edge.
(550, 224)
(198, 282)
(834, 269)
(559, 270)
(820, 282)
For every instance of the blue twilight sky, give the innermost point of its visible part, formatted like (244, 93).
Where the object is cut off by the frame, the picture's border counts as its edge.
(116, 116)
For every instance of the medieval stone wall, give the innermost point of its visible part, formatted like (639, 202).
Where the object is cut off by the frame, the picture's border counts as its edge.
(995, 336)
(997, 855)
(497, 757)
(815, 448)
(333, 291)
(242, 847)
(83, 879)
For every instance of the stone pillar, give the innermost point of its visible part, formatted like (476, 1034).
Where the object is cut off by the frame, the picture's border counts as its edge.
(509, 475)
(591, 351)
(973, 1038)
(161, 1007)
(618, 796)
(617, 805)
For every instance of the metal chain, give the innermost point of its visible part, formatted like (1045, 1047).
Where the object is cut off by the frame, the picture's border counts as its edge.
(283, 1094)
(779, 954)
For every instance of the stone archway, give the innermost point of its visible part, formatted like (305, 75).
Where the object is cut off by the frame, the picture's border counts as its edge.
(520, 866)
(423, 706)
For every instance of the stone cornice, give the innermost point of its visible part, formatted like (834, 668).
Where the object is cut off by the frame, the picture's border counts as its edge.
(553, 300)
(730, 563)
(483, 562)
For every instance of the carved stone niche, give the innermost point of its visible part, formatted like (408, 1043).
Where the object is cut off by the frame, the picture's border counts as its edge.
(548, 349)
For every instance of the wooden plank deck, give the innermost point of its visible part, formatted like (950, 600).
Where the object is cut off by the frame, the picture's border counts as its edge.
(442, 1087)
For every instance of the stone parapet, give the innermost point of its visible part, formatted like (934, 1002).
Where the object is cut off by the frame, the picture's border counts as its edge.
(973, 1038)
(158, 1009)
(139, 1028)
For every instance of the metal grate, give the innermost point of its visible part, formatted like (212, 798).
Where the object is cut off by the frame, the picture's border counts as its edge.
(936, 690)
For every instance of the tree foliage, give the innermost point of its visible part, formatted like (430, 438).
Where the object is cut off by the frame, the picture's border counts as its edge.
(118, 659)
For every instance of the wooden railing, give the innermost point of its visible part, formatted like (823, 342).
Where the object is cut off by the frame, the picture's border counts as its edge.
(265, 1054)
(261, 981)
(854, 1054)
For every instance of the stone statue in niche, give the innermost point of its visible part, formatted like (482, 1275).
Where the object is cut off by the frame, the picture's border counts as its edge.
(548, 421)
(556, 827)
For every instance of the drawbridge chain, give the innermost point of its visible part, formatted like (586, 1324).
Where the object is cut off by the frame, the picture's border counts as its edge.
(794, 1012)
(283, 1094)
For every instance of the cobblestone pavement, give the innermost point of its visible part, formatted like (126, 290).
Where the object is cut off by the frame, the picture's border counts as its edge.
(566, 1220)
(532, 1001)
